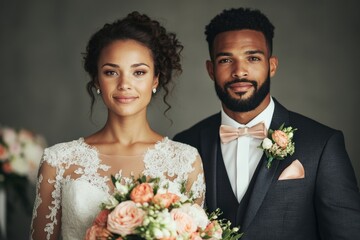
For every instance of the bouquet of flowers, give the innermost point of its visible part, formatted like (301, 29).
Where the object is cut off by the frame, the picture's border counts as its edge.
(141, 209)
(20, 155)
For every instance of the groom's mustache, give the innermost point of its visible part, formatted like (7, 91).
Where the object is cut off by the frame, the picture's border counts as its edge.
(237, 80)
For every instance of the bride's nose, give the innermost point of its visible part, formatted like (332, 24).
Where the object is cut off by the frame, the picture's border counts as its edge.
(124, 83)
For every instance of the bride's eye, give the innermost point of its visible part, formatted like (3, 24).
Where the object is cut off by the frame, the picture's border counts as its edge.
(110, 73)
(139, 73)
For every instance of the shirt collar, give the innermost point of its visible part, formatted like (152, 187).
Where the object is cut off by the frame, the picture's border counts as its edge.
(265, 116)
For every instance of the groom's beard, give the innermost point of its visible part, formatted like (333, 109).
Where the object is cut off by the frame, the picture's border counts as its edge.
(243, 105)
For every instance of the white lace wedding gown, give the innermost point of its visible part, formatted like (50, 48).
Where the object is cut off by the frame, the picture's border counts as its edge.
(75, 178)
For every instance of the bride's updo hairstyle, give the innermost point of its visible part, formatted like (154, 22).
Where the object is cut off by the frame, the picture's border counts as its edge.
(164, 46)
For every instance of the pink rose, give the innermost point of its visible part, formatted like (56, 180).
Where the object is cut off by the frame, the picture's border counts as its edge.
(213, 230)
(166, 199)
(184, 222)
(125, 218)
(142, 193)
(280, 138)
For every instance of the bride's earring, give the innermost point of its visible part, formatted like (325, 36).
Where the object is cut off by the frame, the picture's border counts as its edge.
(98, 91)
(154, 90)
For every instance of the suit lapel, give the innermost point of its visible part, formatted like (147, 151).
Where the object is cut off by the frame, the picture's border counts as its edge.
(265, 176)
(209, 152)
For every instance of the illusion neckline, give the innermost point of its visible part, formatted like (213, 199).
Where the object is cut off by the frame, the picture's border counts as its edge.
(91, 147)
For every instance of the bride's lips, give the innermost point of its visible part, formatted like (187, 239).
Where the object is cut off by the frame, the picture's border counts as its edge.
(125, 99)
(241, 86)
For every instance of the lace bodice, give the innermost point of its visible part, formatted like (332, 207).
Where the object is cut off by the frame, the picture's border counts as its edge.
(74, 178)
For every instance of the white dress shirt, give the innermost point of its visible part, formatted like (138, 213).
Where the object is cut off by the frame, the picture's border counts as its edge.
(240, 170)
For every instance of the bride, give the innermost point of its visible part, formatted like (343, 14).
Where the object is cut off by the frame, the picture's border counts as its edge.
(128, 61)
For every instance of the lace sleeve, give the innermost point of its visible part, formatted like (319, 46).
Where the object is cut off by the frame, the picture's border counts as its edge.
(46, 219)
(196, 181)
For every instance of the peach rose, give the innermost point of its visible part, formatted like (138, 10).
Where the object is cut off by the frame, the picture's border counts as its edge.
(142, 193)
(125, 218)
(280, 138)
(3, 153)
(195, 236)
(184, 222)
(98, 229)
(213, 230)
(101, 218)
(165, 199)
(95, 232)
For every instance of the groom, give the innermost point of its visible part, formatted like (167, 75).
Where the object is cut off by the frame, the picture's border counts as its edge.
(312, 193)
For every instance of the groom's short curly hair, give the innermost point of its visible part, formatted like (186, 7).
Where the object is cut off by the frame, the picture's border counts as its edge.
(239, 19)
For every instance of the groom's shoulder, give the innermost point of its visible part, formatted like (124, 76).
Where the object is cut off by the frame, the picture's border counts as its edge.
(308, 125)
(195, 130)
(307, 121)
(205, 123)
(302, 121)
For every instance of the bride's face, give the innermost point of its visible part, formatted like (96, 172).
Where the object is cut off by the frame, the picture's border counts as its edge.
(126, 77)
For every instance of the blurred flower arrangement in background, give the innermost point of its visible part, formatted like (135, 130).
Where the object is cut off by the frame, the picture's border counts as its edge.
(20, 155)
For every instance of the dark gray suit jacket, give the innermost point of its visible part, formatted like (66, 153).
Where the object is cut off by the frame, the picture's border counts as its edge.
(323, 205)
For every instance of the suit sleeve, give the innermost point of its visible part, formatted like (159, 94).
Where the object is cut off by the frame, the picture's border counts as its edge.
(337, 195)
(187, 137)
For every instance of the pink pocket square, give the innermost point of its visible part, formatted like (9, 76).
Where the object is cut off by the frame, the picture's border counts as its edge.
(294, 171)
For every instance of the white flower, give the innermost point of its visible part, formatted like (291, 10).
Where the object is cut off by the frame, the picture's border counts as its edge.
(33, 152)
(111, 202)
(267, 143)
(290, 134)
(121, 188)
(19, 165)
(197, 213)
(166, 233)
(158, 234)
(9, 136)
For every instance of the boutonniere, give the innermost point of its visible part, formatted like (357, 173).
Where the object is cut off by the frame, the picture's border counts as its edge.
(278, 144)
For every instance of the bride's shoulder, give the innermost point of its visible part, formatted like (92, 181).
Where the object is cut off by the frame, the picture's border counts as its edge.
(180, 147)
(60, 147)
(64, 151)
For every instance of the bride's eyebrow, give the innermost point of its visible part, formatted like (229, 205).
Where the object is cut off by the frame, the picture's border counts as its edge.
(117, 66)
(140, 64)
(111, 65)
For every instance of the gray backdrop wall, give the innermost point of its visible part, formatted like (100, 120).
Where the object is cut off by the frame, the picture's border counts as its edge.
(42, 83)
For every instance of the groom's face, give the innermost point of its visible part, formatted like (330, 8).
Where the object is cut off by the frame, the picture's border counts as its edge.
(241, 69)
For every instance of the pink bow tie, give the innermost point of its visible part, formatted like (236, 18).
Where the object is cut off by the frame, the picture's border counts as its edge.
(229, 133)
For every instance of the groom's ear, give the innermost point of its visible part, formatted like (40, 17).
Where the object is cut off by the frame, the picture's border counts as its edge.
(210, 69)
(274, 62)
